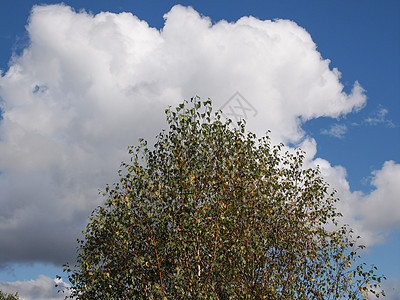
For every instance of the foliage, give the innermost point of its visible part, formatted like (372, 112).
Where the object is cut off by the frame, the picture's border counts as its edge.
(5, 296)
(213, 212)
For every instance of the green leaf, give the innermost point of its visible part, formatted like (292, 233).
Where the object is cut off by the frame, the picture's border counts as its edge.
(212, 211)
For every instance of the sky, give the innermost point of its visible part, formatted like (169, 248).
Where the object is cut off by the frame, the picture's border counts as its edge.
(83, 80)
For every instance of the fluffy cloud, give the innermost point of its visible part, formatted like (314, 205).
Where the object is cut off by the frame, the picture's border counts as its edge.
(88, 86)
(42, 288)
(381, 208)
(373, 216)
(336, 130)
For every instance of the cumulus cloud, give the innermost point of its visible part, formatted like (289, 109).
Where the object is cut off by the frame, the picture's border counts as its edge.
(381, 208)
(373, 216)
(336, 130)
(88, 86)
(42, 288)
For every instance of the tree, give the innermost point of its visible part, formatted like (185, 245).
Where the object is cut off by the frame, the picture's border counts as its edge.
(5, 296)
(213, 212)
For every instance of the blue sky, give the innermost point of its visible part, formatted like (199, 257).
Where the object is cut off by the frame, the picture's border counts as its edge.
(354, 136)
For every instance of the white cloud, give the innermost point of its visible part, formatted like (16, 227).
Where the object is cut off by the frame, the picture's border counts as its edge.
(379, 117)
(42, 288)
(373, 216)
(381, 208)
(336, 130)
(88, 86)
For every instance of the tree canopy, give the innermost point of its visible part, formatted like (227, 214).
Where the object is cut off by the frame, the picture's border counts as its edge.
(6, 296)
(211, 211)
